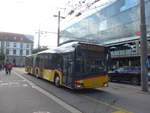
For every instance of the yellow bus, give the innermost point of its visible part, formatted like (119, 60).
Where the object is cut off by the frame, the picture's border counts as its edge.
(76, 65)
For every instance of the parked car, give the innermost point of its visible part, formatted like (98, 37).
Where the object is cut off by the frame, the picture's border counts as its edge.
(126, 73)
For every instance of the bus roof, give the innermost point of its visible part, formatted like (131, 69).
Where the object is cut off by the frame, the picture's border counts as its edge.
(66, 47)
(31, 55)
(60, 49)
(79, 42)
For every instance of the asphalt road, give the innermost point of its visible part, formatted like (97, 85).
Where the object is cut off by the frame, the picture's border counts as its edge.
(117, 98)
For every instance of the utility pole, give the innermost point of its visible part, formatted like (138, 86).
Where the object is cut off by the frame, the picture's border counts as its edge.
(58, 32)
(144, 78)
(39, 35)
(58, 29)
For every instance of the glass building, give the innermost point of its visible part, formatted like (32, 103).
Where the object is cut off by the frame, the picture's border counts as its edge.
(116, 25)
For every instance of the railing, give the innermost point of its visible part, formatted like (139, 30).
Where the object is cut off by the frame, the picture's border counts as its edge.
(124, 53)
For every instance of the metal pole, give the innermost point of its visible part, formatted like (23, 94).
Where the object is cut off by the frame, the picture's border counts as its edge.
(39, 35)
(58, 33)
(144, 80)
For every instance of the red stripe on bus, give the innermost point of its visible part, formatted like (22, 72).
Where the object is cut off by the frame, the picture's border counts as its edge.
(90, 78)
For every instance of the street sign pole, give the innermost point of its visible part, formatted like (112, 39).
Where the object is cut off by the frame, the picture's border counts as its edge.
(144, 79)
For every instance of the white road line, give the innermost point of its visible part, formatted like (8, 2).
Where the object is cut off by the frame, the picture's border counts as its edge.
(54, 98)
(4, 84)
(41, 112)
(25, 85)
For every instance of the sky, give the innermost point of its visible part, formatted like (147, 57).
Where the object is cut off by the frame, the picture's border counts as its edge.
(28, 16)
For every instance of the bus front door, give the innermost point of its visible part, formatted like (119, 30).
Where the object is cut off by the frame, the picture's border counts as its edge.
(67, 70)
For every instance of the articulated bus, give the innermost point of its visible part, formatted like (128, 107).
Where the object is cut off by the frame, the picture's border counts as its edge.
(76, 65)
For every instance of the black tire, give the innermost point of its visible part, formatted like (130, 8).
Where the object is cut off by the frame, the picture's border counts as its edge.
(37, 75)
(135, 81)
(57, 81)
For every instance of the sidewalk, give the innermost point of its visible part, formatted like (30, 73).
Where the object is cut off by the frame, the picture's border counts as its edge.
(18, 96)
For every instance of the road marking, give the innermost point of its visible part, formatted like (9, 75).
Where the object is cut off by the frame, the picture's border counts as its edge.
(119, 112)
(4, 84)
(118, 109)
(13, 83)
(25, 85)
(54, 98)
(41, 112)
(122, 112)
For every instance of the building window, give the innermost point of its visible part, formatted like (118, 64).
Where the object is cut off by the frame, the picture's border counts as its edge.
(14, 44)
(27, 45)
(129, 4)
(14, 52)
(103, 25)
(7, 51)
(21, 45)
(21, 52)
(27, 52)
(7, 44)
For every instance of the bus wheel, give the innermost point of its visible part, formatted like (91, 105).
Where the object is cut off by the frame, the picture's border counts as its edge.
(37, 75)
(57, 81)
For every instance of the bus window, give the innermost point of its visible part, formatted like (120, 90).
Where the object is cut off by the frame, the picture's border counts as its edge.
(90, 62)
(37, 61)
(95, 65)
(47, 60)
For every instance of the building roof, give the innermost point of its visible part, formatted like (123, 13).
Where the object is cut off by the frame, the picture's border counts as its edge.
(14, 37)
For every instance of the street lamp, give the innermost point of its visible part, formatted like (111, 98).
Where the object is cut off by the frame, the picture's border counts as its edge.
(144, 78)
(58, 32)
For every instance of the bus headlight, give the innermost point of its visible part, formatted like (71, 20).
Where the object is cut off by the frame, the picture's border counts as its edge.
(106, 84)
(78, 85)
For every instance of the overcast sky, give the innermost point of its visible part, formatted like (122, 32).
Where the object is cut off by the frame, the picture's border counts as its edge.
(27, 16)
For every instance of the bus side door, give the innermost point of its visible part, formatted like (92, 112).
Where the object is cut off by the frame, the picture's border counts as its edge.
(41, 65)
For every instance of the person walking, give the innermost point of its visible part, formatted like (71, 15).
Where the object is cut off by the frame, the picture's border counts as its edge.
(9, 66)
(0, 67)
(6, 68)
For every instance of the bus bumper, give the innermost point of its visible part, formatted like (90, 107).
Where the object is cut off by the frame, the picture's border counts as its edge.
(97, 82)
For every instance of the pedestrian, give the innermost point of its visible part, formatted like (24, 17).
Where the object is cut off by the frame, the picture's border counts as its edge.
(9, 66)
(0, 67)
(6, 68)
(3, 66)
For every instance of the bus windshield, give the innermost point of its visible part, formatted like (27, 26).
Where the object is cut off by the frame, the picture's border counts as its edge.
(90, 61)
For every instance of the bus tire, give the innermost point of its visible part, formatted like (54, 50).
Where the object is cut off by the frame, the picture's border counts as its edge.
(57, 81)
(37, 75)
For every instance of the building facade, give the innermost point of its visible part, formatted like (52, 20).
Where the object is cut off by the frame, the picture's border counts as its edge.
(15, 47)
(115, 24)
